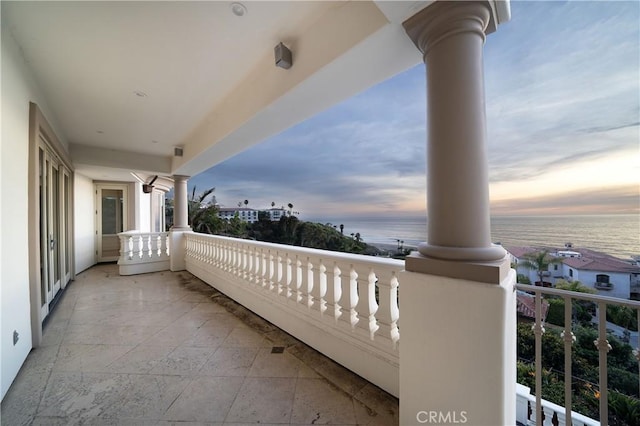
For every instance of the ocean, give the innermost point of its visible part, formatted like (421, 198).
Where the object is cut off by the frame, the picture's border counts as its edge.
(617, 235)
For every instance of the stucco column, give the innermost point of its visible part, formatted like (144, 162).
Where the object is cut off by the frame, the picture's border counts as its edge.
(180, 222)
(451, 37)
(458, 309)
(180, 203)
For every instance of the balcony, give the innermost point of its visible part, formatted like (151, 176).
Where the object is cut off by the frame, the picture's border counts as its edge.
(603, 285)
(165, 347)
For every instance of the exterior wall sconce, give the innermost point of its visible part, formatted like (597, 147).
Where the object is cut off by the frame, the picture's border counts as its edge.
(283, 56)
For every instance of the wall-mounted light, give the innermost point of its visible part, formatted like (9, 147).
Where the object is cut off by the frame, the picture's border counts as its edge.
(283, 56)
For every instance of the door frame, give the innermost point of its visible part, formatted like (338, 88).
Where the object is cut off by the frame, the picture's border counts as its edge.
(41, 134)
(98, 217)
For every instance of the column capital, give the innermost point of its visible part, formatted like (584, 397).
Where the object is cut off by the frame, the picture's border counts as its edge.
(443, 19)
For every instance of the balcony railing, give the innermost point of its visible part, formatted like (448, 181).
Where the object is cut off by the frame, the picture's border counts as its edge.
(142, 252)
(346, 306)
(552, 413)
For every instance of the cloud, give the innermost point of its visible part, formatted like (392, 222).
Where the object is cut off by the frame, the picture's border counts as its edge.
(612, 200)
(562, 91)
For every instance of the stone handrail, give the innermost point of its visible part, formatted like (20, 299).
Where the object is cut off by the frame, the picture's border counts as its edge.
(343, 305)
(143, 252)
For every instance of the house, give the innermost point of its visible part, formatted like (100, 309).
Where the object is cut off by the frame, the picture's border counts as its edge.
(99, 98)
(250, 215)
(608, 275)
(244, 214)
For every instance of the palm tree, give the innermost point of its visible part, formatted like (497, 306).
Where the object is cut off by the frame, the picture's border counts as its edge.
(539, 261)
(273, 204)
(342, 229)
(290, 208)
(246, 203)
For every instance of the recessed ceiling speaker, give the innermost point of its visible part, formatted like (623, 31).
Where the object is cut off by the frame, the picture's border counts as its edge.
(177, 151)
(283, 56)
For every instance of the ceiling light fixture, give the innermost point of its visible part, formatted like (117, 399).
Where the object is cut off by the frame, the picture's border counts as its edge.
(140, 94)
(238, 9)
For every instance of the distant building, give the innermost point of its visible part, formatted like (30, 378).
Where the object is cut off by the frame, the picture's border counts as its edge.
(608, 275)
(249, 215)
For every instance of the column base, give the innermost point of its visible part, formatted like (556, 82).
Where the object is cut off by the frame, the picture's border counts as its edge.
(469, 254)
(176, 248)
(458, 351)
(493, 272)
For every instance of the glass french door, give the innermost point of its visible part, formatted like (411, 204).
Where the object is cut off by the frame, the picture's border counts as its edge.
(55, 199)
(111, 202)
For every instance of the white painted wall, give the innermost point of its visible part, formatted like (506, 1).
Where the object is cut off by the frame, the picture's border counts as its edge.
(621, 283)
(143, 209)
(18, 89)
(85, 230)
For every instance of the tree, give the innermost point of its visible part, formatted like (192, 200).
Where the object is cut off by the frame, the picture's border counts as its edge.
(290, 208)
(576, 286)
(539, 261)
(203, 215)
(246, 203)
(342, 229)
(273, 204)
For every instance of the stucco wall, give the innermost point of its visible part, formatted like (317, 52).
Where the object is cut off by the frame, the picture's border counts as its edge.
(84, 227)
(18, 89)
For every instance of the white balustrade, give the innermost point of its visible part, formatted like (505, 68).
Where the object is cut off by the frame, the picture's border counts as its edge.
(143, 252)
(344, 305)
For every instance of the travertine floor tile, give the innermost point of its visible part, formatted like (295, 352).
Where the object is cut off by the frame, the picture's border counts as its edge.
(268, 364)
(267, 400)
(167, 349)
(206, 399)
(317, 402)
(90, 358)
(234, 361)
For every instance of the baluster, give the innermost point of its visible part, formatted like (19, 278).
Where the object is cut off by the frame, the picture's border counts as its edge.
(388, 311)
(548, 415)
(367, 305)
(168, 244)
(288, 276)
(349, 297)
(264, 268)
(603, 348)
(319, 289)
(569, 338)
(334, 291)
(256, 259)
(538, 331)
(304, 290)
(136, 249)
(279, 273)
(270, 272)
(296, 281)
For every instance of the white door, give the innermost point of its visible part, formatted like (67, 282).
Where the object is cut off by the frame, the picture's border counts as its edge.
(54, 219)
(111, 219)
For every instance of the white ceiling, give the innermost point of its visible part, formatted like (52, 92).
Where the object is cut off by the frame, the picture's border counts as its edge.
(208, 77)
(91, 57)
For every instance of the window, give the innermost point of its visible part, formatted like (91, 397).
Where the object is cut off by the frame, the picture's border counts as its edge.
(555, 267)
(602, 278)
(571, 272)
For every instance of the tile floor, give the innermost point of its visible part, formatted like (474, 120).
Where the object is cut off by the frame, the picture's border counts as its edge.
(165, 348)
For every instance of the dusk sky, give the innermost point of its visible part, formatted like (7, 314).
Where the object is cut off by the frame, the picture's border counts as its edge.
(563, 105)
